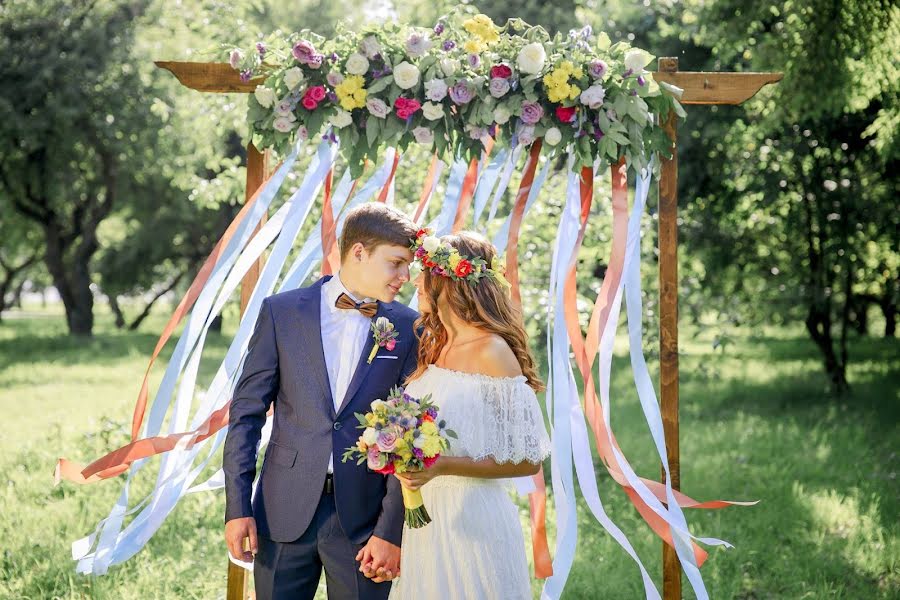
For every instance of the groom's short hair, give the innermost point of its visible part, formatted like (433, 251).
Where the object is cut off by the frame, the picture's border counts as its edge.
(374, 224)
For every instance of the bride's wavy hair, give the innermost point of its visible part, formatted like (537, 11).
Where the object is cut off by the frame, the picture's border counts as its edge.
(486, 305)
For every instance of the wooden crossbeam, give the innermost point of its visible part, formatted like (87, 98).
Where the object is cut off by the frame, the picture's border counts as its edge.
(698, 88)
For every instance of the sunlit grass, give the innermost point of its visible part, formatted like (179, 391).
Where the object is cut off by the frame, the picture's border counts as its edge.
(756, 423)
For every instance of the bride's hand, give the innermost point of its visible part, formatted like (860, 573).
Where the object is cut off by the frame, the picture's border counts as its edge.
(414, 480)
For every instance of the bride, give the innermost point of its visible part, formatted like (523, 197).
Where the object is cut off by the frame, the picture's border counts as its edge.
(474, 361)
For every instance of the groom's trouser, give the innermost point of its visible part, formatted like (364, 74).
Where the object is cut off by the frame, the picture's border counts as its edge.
(291, 571)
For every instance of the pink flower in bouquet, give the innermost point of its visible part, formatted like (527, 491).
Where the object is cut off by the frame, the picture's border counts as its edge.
(304, 52)
(406, 107)
(309, 103)
(376, 460)
(317, 92)
(391, 345)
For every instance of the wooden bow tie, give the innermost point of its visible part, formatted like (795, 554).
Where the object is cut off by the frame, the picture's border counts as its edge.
(368, 309)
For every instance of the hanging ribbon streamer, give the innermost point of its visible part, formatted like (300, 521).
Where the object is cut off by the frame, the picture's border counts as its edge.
(113, 546)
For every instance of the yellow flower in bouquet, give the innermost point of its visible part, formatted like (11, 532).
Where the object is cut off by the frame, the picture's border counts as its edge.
(401, 434)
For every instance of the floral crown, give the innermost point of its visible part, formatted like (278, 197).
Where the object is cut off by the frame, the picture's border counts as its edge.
(445, 260)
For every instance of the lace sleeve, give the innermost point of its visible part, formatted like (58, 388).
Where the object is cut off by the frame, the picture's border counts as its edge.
(511, 428)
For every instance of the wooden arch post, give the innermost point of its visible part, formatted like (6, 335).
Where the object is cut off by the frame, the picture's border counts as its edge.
(699, 88)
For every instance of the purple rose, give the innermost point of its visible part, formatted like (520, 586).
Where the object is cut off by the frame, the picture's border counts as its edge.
(461, 92)
(531, 112)
(498, 87)
(598, 69)
(303, 52)
(474, 61)
(235, 58)
(387, 439)
(526, 135)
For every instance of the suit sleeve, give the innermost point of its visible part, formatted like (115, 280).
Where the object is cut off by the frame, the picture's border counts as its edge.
(390, 522)
(255, 391)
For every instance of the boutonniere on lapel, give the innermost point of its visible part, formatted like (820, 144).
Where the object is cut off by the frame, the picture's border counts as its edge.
(385, 336)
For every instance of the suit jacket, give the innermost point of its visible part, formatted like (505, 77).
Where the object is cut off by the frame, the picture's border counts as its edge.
(285, 364)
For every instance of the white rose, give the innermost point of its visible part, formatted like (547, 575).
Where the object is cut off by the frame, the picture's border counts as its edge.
(406, 75)
(433, 111)
(593, 96)
(376, 404)
(357, 64)
(502, 115)
(302, 132)
(424, 136)
(341, 119)
(553, 136)
(636, 60)
(531, 58)
(436, 89)
(430, 243)
(283, 124)
(449, 66)
(370, 436)
(293, 77)
(265, 96)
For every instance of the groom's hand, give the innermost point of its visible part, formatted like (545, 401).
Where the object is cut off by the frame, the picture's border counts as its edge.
(236, 531)
(379, 560)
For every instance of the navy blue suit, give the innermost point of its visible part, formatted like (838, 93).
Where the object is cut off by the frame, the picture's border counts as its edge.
(285, 364)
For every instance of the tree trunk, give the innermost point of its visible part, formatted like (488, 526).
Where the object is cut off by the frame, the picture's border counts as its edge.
(117, 310)
(890, 318)
(72, 282)
(818, 324)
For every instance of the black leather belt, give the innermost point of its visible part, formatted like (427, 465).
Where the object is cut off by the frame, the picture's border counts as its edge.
(329, 483)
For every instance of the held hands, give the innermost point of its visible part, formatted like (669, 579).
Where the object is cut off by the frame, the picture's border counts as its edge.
(379, 560)
(236, 531)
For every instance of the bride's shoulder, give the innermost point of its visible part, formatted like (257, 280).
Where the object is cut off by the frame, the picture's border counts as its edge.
(496, 359)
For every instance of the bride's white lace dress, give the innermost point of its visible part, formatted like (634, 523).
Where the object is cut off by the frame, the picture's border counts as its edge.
(474, 547)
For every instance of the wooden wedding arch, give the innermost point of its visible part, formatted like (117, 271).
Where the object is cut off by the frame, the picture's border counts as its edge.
(699, 88)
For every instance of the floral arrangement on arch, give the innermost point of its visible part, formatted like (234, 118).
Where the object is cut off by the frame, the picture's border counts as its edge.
(452, 87)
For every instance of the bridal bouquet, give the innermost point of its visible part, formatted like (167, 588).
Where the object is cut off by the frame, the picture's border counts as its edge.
(401, 434)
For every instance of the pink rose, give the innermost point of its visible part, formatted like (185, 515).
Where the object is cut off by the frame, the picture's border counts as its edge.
(309, 103)
(317, 92)
(375, 460)
(406, 107)
(391, 345)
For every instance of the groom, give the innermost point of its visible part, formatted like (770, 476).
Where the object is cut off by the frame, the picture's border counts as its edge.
(309, 355)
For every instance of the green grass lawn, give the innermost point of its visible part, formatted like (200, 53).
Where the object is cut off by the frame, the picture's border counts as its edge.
(756, 423)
